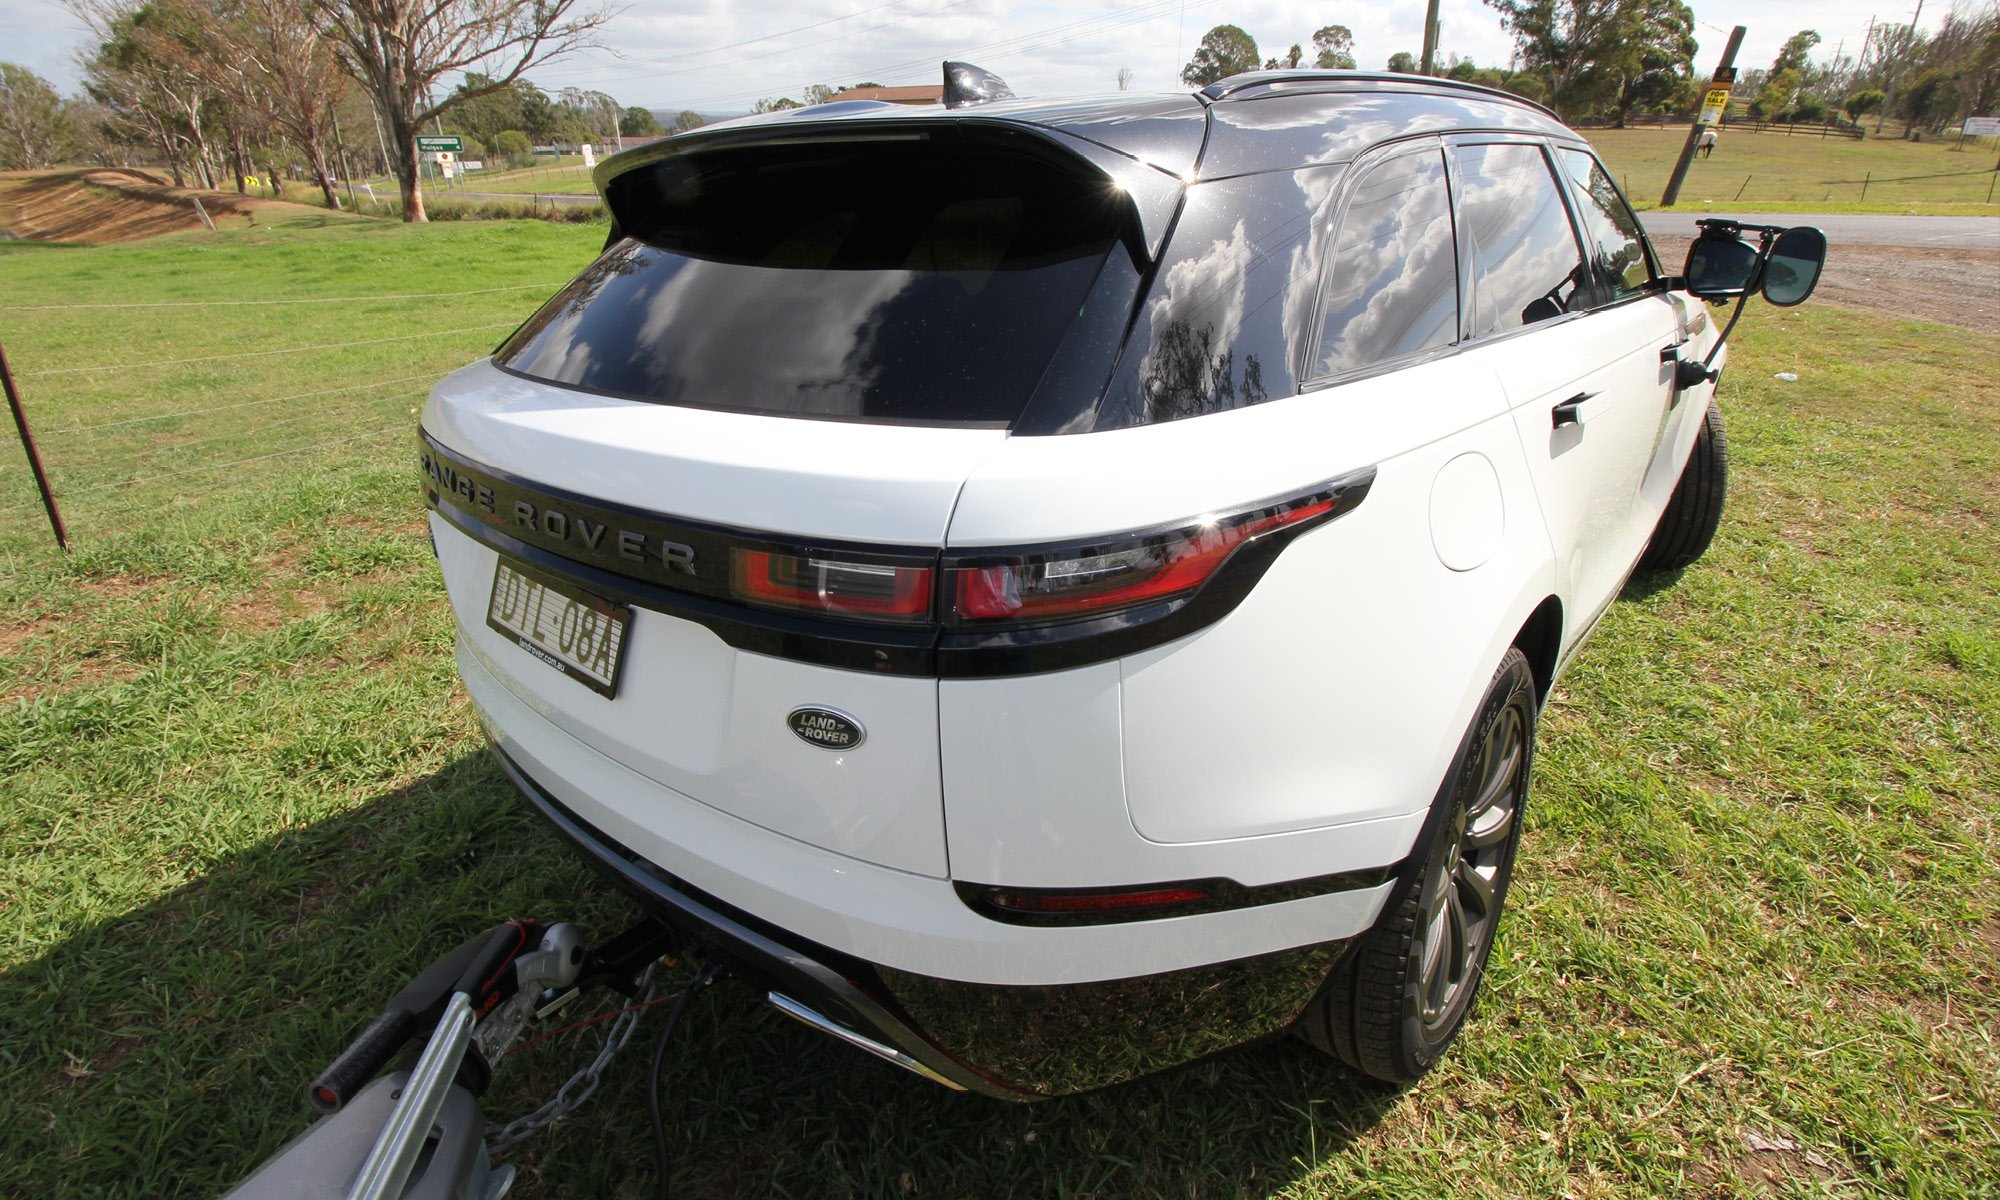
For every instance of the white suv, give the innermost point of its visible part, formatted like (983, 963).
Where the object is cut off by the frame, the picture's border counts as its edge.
(1055, 588)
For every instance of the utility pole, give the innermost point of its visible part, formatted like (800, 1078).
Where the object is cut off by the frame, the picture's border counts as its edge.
(1896, 70)
(1723, 79)
(1429, 64)
(346, 171)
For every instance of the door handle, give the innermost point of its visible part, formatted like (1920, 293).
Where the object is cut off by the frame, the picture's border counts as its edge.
(1571, 411)
(1673, 353)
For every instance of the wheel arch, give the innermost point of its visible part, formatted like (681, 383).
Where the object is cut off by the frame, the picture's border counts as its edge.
(1540, 638)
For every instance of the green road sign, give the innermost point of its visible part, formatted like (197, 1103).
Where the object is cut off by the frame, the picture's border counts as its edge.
(433, 143)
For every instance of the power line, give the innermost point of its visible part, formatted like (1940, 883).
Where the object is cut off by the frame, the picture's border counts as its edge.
(175, 362)
(517, 287)
(196, 412)
(1005, 48)
(159, 452)
(400, 427)
(740, 61)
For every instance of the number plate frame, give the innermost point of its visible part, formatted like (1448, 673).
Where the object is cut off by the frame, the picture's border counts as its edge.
(535, 585)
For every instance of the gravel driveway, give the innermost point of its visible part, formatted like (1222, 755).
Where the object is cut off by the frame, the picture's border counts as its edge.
(1951, 287)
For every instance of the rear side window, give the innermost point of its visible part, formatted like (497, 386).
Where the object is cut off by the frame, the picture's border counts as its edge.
(1526, 263)
(1392, 287)
(1616, 243)
(908, 279)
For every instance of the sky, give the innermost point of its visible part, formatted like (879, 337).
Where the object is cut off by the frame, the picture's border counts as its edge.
(715, 56)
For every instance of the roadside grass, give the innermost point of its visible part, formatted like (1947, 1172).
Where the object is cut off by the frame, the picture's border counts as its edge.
(1753, 948)
(1783, 172)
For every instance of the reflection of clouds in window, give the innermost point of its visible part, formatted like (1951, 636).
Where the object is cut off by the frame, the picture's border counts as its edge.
(1613, 231)
(1529, 267)
(1394, 285)
(1317, 185)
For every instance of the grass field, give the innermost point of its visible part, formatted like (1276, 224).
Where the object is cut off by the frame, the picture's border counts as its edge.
(1779, 172)
(1751, 950)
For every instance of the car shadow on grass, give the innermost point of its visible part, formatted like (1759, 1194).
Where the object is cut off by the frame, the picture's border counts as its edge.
(166, 1051)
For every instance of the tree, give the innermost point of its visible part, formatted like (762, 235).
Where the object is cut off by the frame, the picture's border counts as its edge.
(820, 93)
(1587, 50)
(1776, 98)
(1124, 79)
(1402, 62)
(1224, 51)
(401, 50)
(36, 127)
(1657, 61)
(1860, 104)
(1333, 48)
(689, 119)
(274, 55)
(775, 104)
(514, 146)
(639, 122)
(1792, 55)
(145, 86)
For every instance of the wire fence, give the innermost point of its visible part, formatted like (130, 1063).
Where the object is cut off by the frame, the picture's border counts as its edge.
(124, 436)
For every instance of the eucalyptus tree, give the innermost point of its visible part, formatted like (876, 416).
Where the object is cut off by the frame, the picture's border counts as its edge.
(400, 50)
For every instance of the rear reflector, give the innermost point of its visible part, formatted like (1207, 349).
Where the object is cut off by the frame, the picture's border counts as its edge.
(869, 591)
(1157, 567)
(1093, 902)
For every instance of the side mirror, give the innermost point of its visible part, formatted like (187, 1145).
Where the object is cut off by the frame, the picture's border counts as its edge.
(1792, 271)
(1723, 267)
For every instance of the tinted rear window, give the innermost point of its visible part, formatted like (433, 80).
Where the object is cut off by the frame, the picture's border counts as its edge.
(899, 280)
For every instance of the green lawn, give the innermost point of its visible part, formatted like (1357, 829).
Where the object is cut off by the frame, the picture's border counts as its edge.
(1779, 172)
(1751, 950)
(557, 177)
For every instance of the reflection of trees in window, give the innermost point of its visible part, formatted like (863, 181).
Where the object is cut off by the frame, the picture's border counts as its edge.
(1187, 377)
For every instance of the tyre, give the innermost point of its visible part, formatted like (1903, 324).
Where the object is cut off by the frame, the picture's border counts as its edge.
(1404, 988)
(1695, 508)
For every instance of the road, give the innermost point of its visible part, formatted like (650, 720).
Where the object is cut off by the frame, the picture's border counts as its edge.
(1853, 229)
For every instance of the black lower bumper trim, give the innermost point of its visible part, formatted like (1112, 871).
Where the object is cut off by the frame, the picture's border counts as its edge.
(834, 985)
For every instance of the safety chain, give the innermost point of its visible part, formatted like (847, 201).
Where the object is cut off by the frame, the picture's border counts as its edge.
(579, 1086)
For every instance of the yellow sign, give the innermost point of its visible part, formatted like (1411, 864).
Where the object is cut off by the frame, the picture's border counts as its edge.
(1713, 106)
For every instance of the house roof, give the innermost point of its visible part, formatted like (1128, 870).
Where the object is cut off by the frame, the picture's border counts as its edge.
(929, 93)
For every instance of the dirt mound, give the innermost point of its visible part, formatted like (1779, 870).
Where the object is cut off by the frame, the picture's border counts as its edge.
(121, 204)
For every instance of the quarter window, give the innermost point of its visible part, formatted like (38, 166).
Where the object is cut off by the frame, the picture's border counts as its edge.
(1526, 263)
(1392, 287)
(1609, 226)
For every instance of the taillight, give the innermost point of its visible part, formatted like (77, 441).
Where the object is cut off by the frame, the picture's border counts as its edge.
(1058, 584)
(808, 583)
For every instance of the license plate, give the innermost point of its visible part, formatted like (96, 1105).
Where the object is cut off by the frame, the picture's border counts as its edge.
(580, 635)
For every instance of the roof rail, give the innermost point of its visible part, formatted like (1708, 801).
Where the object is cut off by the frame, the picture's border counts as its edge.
(1234, 87)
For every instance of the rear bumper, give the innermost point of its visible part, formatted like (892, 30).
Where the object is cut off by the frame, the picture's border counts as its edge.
(819, 980)
(1011, 1043)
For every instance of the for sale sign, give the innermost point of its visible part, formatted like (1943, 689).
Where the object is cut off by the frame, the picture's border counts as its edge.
(1713, 106)
(1982, 127)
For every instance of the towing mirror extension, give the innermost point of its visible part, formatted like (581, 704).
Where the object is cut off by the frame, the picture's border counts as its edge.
(1784, 265)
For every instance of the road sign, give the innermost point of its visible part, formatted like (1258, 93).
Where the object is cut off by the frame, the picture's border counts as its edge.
(1981, 127)
(1713, 106)
(449, 142)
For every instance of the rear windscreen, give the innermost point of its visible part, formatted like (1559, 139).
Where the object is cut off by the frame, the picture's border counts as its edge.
(903, 279)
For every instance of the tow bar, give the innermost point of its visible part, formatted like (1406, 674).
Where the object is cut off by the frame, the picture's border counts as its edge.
(418, 1131)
